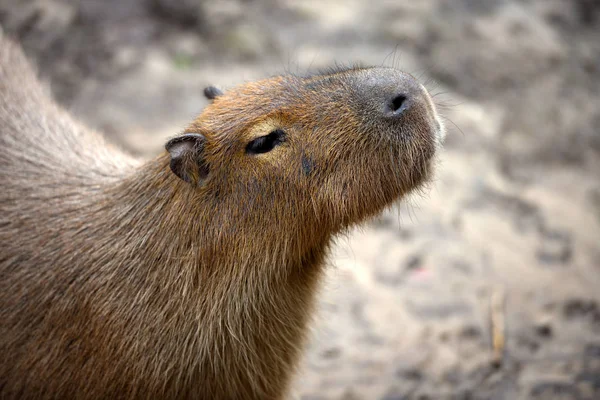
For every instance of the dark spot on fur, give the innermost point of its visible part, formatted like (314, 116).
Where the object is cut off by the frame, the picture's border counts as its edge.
(308, 165)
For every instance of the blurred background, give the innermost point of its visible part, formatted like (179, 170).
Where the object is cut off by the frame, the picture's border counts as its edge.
(488, 287)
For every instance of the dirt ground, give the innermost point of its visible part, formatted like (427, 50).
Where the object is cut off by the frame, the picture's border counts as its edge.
(506, 242)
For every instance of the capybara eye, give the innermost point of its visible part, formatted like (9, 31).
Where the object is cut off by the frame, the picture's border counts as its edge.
(266, 143)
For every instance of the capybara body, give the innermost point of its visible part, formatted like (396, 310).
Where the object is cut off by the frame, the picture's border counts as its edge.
(192, 275)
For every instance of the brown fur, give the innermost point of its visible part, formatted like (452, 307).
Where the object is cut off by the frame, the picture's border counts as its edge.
(120, 280)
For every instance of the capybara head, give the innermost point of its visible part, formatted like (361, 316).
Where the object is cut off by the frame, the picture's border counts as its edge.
(319, 152)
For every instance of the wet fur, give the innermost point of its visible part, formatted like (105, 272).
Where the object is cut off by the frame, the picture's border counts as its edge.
(120, 280)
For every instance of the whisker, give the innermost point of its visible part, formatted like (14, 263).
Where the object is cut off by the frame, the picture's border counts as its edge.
(452, 122)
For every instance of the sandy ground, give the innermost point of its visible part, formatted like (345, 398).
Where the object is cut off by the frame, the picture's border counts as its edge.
(509, 234)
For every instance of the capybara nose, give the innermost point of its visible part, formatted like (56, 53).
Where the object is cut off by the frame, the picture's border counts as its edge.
(389, 93)
(396, 105)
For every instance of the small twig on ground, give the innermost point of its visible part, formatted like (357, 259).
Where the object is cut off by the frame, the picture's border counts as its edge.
(497, 314)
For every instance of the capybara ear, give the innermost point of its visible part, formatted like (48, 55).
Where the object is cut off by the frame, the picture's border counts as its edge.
(211, 92)
(187, 157)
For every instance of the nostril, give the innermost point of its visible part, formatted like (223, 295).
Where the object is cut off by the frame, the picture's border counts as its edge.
(397, 103)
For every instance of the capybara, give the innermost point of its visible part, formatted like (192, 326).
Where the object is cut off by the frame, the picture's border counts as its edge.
(194, 274)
